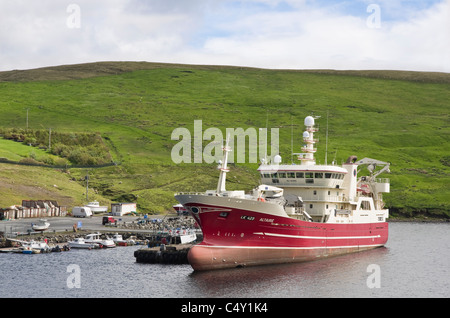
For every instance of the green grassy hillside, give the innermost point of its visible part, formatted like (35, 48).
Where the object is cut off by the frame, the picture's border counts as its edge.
(400, 117)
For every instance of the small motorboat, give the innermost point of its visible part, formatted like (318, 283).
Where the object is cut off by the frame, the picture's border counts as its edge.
(32, 247)
(95, 238)
(183, 235)
(79, 242)
(41, 226)
(118, 239)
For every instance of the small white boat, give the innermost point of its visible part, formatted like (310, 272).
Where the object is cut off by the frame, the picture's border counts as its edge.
(32, 247)
(185, 235)
(188, 236)
(118, 239)
(96, 239)
(41, 226)
(79, 242)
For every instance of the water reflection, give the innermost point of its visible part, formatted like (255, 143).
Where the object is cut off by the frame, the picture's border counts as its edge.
(321, 278)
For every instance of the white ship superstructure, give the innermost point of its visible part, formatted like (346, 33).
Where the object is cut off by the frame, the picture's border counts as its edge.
(329, 193)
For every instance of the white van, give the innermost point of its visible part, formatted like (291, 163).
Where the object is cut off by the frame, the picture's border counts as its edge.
(81, 212)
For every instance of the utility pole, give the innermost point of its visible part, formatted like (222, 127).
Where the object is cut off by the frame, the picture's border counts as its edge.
(27, 118)
(87, 186)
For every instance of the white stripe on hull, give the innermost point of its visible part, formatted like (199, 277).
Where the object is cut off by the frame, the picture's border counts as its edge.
(318, 237)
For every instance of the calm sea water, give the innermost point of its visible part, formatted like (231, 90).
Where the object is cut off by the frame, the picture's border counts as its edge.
(414, 263)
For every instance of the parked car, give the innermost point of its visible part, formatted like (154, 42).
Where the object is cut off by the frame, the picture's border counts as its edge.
(108, 220)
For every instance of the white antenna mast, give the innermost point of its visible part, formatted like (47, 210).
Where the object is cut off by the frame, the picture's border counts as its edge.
(223, 167)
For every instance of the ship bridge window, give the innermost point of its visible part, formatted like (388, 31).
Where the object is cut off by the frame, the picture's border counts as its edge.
(318, 175)
(282, 175)
(365, 205)
(291, 175)
(299, 175)
(267, 175)
(309, 175)
(327, 175)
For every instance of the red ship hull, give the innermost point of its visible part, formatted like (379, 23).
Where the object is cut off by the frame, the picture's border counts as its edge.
(238, 238)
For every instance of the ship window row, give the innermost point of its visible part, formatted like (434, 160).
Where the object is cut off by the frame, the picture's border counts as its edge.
(307, 175)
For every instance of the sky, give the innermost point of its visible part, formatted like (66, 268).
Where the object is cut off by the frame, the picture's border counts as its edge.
(277, 34)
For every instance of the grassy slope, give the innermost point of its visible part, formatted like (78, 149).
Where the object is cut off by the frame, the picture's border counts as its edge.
(401, 117)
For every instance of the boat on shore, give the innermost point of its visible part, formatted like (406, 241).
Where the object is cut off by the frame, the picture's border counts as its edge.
(41, 226)
(96, 207)
(299, 212)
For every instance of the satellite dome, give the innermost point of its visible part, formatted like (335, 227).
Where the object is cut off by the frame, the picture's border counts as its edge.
(306, 134)
(309, 121)
(277, 159)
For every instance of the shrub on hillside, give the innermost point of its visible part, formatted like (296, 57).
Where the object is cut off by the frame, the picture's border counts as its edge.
(86, 149)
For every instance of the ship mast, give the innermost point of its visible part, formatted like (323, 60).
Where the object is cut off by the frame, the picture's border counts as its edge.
(307, 157)
(223, 168)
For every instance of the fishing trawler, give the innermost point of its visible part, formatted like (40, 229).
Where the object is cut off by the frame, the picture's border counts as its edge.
(300, 212)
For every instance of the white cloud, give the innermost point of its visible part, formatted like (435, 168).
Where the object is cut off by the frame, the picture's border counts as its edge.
(316, 38)
(260, 33)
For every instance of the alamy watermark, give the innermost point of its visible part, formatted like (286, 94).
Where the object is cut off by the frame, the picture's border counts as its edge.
(74, 19)
(374, 20)
(190, 146)
(374, 279)
(74, 279)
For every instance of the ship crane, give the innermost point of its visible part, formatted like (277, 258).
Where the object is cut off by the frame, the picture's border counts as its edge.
(370, 185)
(372, 164)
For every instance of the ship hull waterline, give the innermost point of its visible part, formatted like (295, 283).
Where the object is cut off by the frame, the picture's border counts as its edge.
(238, 238)
(203, 257)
